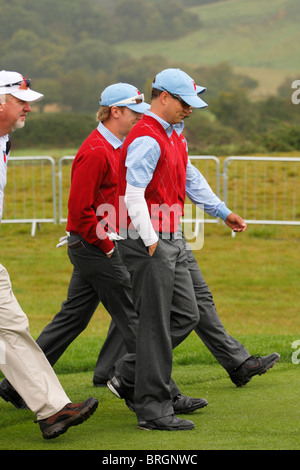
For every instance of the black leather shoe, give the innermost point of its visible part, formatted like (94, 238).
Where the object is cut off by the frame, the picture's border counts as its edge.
(183, 404)
(120, 390)
(254, 365)
(167, 423)
(9, 394)
(117, 387)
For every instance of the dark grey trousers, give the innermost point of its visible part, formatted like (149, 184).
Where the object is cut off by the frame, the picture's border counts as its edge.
(163, 296)
(228, 351)
(95, 278)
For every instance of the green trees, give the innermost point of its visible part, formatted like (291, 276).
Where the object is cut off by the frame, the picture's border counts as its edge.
(69, 50)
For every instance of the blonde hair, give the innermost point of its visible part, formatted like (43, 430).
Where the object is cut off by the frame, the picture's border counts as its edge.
(103, 113)
(2, 99)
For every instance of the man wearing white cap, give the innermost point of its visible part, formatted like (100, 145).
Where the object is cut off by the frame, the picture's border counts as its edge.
(21, 360)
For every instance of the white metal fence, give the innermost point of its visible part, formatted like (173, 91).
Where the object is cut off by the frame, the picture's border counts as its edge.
(64, 182)
(208, 165)
(262, 190)
(30, 193)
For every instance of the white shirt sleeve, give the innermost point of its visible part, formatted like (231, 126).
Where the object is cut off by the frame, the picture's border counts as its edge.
(138, 212)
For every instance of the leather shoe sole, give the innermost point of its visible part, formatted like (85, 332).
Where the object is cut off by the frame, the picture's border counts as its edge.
(70, 415)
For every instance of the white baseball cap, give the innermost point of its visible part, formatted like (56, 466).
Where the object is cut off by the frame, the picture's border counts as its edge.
(177, 82)
(13, 83)
(124, 94)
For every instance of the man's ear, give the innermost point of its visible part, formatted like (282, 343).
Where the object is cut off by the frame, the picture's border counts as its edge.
(164, 97)
(115, 111)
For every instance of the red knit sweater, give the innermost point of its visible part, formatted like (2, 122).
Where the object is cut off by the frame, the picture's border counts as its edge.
(94, 179)
(165, 194)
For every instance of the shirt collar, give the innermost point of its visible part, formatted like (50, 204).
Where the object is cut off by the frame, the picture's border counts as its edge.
(109, 136)
(168, 127)
(179, 127)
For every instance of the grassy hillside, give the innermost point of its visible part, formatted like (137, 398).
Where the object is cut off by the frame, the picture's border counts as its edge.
(258, 37)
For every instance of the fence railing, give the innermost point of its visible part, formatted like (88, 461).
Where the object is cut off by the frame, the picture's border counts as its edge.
(64, 183)
(262, 190)
(30, 193)
(209, 166)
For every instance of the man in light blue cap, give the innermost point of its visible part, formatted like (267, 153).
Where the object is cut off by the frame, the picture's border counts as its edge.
(229, 352)
(154, 173)
(181, 86)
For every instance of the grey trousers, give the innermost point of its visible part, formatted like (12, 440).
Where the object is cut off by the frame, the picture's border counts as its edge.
(228, 351)
(163, 295)
(95, 278)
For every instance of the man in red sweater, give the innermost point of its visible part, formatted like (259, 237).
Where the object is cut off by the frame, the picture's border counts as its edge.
(152, 185)
(98, 269)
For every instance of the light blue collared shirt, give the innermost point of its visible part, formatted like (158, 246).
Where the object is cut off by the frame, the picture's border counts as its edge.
(142, 157)
(109, 136)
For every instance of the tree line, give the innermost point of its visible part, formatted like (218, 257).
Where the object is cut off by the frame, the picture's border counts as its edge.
(232, 124)
(69, 45)
(68, 49)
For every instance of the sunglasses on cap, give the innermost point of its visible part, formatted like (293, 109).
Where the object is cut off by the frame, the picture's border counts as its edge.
(134, 100)
(23, 84)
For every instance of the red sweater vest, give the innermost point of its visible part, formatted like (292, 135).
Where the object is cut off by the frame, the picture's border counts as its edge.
(165, 194)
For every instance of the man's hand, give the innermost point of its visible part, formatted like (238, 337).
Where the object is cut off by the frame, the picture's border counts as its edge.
(152, 248)
(236, 223)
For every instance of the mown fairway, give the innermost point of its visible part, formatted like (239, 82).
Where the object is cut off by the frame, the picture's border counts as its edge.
(254, 278)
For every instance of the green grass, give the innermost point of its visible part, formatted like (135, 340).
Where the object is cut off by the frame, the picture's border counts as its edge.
(264, 415)
(254, 279)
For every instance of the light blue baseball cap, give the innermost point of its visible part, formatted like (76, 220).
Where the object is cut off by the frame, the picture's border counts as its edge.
(177, 82)
(124, 94)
